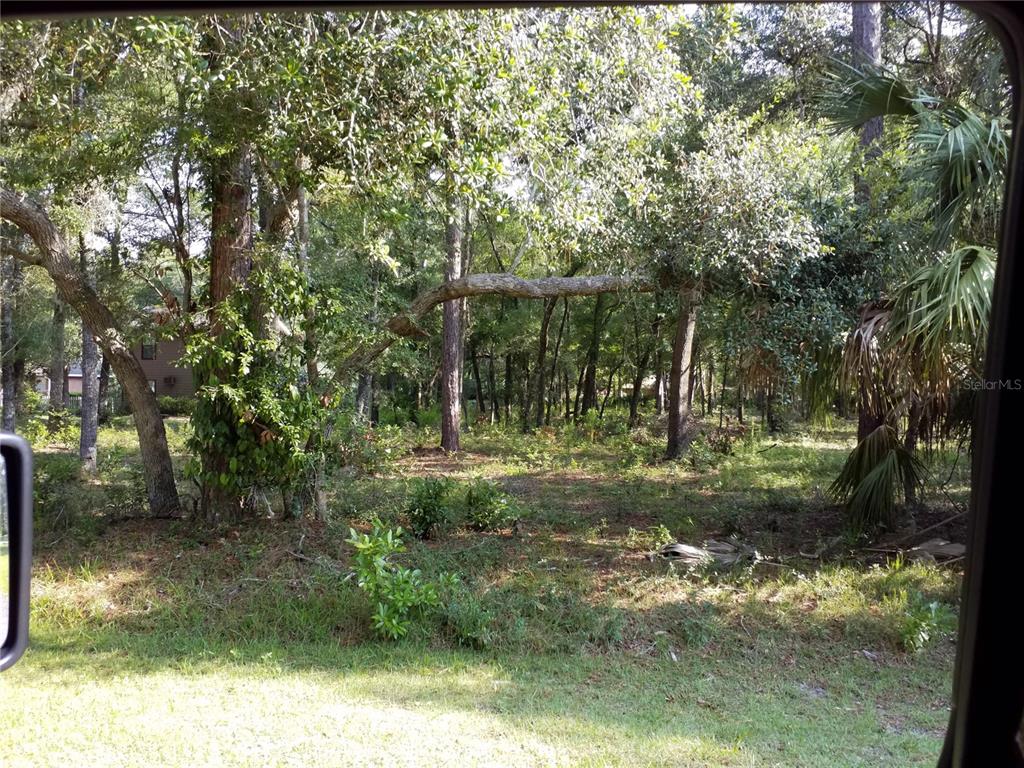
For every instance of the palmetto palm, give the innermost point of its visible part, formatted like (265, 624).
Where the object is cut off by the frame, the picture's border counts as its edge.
(958, 152)
(910, 351)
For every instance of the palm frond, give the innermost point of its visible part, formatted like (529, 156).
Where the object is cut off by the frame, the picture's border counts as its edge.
(962, 160)
(854, 95)
(875, 472)
(943, 304)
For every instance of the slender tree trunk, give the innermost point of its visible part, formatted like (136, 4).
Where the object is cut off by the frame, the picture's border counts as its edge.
(557, 351)
(566, 394)
(90, 401)
(680, 382)
(608, 389)
(11, 354)
(508, 387)
(451, 336)
(542, 352)
(910, 446)
(492, 385)
(659, 385)
(57, 363)
(481, 404)
(524, 404)
(103, 391)
(56, 260)
(593, 355)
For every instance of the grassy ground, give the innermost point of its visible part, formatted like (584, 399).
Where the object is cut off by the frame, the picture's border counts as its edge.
(170, 643)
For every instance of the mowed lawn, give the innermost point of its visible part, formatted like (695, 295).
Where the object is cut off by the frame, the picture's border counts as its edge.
(167, 643)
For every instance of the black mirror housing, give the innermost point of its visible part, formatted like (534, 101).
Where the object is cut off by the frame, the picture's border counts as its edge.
(17, 458)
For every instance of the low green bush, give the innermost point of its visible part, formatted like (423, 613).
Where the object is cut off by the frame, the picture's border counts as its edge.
(430, 511)
(175, 406)
(398, 595)
(488, 507)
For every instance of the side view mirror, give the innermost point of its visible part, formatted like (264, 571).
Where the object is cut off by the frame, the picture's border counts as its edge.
(15, 545)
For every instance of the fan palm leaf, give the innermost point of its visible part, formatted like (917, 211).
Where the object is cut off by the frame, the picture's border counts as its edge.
(875, 473)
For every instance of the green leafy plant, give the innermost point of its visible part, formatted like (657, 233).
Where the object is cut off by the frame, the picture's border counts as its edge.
(487, 506)
(429, 510)
(920, 620)
(398, 594)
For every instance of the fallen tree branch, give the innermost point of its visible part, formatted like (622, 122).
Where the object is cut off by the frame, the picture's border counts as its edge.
(406, 324)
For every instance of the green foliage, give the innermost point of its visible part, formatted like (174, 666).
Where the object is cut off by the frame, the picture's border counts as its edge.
(430, 509)
(874, 474)
(920, 621)
(175, 406)
(369, 450)
(487, 506)
(398, 595)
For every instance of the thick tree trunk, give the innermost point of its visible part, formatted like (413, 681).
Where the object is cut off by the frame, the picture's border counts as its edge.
(451, 337)
(364, 396)
(867, 50)
(90, 387)
(679, 383)
(55, 259)
(230, 265)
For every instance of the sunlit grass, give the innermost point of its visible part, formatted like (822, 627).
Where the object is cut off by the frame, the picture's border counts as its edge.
(174, 644)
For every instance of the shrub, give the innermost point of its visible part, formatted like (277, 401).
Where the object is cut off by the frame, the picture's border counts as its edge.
(428, 510)
(367, 449)
(488, 507)
(175, 406)
(466, 618)
(397, 594)
(920, 620)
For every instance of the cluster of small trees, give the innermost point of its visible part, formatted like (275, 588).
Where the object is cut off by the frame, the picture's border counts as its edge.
(647, 193)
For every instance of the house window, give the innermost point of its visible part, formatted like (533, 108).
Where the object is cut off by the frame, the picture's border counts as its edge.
(149, 349)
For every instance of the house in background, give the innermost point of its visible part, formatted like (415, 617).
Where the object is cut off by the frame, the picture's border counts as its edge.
(160, 359)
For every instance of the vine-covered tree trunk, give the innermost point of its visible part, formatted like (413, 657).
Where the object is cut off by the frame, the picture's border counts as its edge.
(55, 259)
(680, 381)
(90, 400)
(230, 264)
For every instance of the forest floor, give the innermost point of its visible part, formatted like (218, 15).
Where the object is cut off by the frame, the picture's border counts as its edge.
(172, 643)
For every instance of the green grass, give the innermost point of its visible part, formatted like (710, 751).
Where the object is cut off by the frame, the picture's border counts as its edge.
(170, 643)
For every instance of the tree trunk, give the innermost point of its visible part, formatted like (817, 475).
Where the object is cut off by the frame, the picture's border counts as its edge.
(57, 363)
(103, 392)
(492, 386)
(508, 388)
(10, 353)
(680, 381)
(55, 259)
(230, 265)
(364, 397)
(481, 404)
(867, 50)
(542, 354)
(557, 351)
(89, 411)
(451, 336)
(593, 354)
